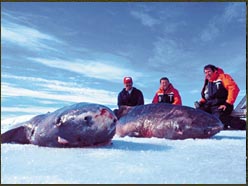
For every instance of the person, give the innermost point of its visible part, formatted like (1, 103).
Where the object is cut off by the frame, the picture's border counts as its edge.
(167, 93)
(218, 95)
(130, 96)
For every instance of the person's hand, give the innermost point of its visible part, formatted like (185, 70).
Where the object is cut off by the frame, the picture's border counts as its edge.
(222, 107)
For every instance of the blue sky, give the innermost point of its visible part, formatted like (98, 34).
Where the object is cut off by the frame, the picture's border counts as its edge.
(59, 53)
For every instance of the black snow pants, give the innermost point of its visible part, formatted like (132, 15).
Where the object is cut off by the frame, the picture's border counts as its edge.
(230, 122)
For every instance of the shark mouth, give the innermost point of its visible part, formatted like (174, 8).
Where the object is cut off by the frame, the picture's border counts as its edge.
(62, 141)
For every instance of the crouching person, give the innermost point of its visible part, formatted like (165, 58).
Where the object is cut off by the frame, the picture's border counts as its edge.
(218, 96)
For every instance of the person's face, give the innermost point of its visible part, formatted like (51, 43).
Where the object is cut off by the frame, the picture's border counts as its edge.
(128, 86)
(208, 73)
(164, 84)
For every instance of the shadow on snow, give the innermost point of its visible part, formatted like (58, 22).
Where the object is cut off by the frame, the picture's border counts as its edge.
(134, 146)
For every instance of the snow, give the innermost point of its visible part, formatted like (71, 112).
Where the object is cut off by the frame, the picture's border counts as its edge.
(220, 159)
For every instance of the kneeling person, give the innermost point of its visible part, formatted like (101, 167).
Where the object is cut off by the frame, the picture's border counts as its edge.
(218, 96)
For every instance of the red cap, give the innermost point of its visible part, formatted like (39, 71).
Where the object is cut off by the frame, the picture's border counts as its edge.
(127, 80)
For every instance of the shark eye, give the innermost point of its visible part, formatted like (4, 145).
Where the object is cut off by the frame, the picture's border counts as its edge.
(87, 118)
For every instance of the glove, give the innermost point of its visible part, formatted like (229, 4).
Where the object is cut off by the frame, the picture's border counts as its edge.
(228, 104)
(197, 104)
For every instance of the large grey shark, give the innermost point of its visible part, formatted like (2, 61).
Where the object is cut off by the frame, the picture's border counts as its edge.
(166, 121)
(77, 125)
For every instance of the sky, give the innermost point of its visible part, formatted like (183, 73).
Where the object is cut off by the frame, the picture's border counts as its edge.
(220, 159)
(58, 53)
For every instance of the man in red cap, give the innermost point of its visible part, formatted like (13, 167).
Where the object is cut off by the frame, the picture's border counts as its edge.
(130, 96)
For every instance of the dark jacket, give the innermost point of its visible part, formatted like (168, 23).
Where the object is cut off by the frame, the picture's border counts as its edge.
(221, 90)
(133, 99)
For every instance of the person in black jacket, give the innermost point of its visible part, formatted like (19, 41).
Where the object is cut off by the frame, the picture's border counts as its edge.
(130, 96)
(219, 93)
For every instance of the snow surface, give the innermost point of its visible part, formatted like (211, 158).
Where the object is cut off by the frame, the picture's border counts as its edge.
(220, 159)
